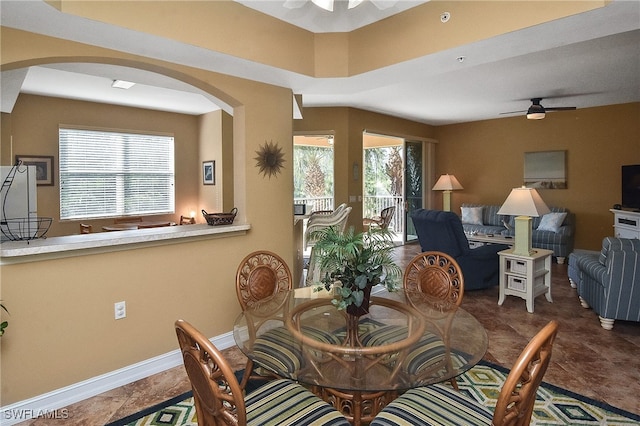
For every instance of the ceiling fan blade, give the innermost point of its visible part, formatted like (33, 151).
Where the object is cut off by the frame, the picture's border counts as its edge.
(384, 4)
(559, 108)
(513, 112)
(324, 4)
(294, 4)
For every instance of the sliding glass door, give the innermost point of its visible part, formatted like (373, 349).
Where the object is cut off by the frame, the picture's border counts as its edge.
(413, 185)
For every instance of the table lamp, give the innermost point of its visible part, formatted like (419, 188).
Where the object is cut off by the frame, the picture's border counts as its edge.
(523, 203)
(446, 184)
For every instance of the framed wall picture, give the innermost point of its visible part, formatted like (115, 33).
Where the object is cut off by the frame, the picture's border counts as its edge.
(545, 169)
(44, 167)
(208, 172)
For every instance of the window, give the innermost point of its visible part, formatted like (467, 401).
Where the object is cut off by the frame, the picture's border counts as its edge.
(111, 173)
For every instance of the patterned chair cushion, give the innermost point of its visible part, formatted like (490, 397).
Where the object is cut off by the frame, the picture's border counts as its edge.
(276, 349)
(433, 405)
(427, 353)
(285, 403)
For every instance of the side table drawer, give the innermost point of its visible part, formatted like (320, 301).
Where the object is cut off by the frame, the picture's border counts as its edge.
(517, 266)
(517, 283)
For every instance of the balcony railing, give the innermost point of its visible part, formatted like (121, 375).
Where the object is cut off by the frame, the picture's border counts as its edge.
(316, 203)
(373, 205)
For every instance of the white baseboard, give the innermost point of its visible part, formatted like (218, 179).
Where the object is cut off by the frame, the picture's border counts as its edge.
(49, 405)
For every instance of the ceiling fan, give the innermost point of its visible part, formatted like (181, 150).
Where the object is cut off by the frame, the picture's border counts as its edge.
(537, 112)
(328, 4)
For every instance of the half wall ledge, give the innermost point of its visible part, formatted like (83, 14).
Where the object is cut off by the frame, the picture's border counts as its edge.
(12, 252)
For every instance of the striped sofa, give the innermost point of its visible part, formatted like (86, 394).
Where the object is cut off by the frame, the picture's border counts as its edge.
(561, 242)
(609, 281)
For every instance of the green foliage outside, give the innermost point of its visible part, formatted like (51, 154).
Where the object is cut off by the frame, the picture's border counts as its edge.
(382, 175)
(312, 171)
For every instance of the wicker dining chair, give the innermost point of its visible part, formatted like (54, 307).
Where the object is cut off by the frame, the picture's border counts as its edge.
(187, 220)
(85, 228)
(439, 404)
(439, 276)
(218, 397)
(382, 221)
(260, 275)
(436, 274)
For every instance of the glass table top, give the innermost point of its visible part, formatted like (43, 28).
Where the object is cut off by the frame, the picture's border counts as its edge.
(405, 341)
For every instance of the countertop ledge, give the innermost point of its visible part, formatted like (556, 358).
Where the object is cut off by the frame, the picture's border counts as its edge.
(103, 242)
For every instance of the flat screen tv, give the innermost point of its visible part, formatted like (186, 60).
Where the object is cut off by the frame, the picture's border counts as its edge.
(631, 187)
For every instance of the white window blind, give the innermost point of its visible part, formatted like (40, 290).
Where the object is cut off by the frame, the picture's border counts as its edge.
(110, 173)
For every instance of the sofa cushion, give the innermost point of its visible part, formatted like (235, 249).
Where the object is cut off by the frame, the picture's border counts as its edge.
(552, 221)
(472, 215)
(490, 216)
(536, 220)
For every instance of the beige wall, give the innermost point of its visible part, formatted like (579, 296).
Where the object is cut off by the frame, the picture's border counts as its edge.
(62, 310)
(234, 29)
(419, 32)
(487, 157)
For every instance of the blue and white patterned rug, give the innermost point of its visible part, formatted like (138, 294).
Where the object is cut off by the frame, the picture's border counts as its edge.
(554, 405)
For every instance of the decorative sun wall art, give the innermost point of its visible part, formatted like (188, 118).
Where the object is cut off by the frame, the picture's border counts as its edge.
(270, 159)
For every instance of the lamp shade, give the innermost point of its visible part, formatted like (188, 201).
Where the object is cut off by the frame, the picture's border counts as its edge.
(524, 202)
(447, 183)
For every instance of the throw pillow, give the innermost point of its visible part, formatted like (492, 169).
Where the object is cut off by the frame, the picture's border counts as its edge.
(552, 222)
(472, 215)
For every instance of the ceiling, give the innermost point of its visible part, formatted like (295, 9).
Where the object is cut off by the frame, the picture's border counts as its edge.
(591, 59)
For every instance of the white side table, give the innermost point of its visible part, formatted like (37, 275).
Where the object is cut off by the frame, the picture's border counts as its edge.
(525, 276)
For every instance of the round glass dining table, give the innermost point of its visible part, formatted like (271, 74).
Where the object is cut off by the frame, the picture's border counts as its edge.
(359, 364)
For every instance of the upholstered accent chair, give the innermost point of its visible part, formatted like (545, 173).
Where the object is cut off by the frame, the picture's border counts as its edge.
(441, 405)
(442, 231)
(219, 400)
(609, 281)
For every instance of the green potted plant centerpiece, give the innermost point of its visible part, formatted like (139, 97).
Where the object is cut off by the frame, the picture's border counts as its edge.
(353, 263)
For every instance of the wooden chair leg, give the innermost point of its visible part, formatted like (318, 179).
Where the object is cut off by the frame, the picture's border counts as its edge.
(248, 369)
(454, 383)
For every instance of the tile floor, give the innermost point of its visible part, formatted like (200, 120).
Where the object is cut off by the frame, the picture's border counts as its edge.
(587, 359)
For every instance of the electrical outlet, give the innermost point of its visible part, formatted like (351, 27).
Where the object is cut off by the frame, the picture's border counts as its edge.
(120, 309)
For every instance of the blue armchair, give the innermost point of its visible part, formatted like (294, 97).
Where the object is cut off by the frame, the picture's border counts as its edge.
(609, 281)
(442, 231)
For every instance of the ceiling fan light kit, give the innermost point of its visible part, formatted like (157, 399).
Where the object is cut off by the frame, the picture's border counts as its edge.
(324, 4)
(328, 4)
(537, 112)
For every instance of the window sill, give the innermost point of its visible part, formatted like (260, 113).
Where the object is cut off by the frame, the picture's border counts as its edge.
(104, 242)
